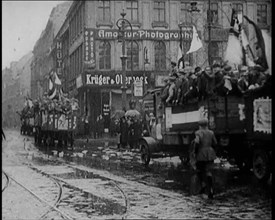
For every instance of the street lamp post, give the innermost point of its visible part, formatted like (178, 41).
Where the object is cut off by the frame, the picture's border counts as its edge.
(122, 24)
(146, 61)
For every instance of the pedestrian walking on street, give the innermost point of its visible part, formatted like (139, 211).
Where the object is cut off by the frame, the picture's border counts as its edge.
(205, 155)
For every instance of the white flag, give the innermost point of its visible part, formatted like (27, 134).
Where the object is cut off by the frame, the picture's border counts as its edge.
(50, 84)
(195, 43)
(57, 80)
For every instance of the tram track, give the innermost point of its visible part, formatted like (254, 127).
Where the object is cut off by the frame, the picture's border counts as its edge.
(34, 194)
(7, 182)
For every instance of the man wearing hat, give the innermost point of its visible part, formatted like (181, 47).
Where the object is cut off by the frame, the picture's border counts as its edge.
(219, 79)
(164, 92)
(174, 68)
(204, 142)
(202, 84)
(257, 77)
(172, 89)
(210, 84)
(243, 83)
(182, 87)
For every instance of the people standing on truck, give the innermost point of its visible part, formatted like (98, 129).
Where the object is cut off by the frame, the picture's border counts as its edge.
(164, 92)
(257, 77)
(172, 89)
(183, 88)
(202, 83)
(243, 82)
(174, 69)
(192, 93)
(210, 84)
(204, 142)
(219, 88)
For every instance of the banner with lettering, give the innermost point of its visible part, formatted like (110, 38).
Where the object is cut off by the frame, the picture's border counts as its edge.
(115, 78)
(59, 58)
(112, 34)
(89, 46)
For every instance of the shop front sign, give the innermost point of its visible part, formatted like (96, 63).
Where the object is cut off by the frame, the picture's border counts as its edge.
(59, 58)
(110, 34)
(116, 79)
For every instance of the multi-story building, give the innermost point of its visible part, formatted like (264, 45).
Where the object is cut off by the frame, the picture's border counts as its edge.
(44, 61)
(95, 67)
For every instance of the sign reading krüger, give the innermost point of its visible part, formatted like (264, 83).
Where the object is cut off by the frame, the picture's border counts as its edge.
(100, 79)
(145, 34)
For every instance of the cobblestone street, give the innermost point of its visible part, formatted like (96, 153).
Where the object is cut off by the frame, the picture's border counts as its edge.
(87, 192)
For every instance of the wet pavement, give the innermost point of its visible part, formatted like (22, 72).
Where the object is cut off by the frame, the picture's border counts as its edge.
(100, 181)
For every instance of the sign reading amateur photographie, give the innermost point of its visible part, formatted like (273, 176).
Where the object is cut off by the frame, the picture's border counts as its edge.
(112, 34)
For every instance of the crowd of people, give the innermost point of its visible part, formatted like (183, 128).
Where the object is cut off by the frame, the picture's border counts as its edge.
(187, 85)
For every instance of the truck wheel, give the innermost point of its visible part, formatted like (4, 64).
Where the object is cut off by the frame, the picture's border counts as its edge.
(145, 153)
(261, 165)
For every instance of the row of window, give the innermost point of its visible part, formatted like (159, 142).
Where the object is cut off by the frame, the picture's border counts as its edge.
(77, 22)
(132, 50)
(159, 11)
(76, 62)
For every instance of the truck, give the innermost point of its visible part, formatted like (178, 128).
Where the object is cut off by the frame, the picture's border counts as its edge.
(233, 118)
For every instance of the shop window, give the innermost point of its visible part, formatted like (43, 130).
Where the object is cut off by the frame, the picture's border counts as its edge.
(262, 14)
(160, 56)
(135, 54)
(159, 11)
(132, 10)
(104, 55)
(104, 10)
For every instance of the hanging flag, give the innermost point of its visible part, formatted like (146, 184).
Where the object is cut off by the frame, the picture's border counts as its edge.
(195, 43)
(53, 94)
(268, 48)
(50, 84)
(234, 52)
(180, 58)
(57, 80)
(261, 60)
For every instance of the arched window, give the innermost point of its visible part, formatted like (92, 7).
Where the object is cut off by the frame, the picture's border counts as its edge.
(135, 55)
(104, 55)
(160, 56)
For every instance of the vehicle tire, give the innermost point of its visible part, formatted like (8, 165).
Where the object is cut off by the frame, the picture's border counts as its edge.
(145, 154)
(261, 165)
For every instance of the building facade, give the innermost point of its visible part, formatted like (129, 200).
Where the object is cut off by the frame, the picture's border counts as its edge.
(86, 51)
(95, 67)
